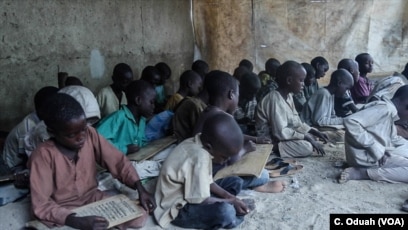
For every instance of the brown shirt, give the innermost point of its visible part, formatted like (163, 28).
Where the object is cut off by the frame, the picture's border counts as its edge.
(58, 184)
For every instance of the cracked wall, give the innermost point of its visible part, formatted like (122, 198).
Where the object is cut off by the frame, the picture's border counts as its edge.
(86, 39)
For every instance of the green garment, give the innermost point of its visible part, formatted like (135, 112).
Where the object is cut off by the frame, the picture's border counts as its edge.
(120, 129)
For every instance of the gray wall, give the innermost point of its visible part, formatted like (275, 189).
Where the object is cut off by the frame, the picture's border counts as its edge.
(85, 39)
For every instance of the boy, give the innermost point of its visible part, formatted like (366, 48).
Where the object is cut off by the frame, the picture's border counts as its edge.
(190, 85)
(125, 128)
(271, 65)
(321, 66)
(165, 73)
(63, 169)
(277, 117)
(299, 99)
(373, 149)
(183, 187)
(247, 64)
(244, 114)
(187, 112)
(152, 75)
(224, 92)
(111, 97)
(363, 86)
(201, 67)
(344, 105)
(14, 150)
(319, 109)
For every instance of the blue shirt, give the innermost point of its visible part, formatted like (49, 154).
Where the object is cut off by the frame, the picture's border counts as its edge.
(120, 128)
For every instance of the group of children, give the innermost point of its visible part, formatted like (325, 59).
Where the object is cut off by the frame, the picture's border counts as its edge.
(217, 118)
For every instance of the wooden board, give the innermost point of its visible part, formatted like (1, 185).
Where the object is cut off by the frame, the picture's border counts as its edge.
(152, 149)
(116, 209)
(251, 164)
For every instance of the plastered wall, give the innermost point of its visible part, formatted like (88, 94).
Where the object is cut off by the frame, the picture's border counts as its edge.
(230, 30)
(85, 39)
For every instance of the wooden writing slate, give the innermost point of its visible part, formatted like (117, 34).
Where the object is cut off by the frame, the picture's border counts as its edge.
(251, 164)
(152, 149)
(116, 209)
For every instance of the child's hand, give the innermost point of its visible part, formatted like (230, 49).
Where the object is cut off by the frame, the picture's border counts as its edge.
(249, 146)
(147, 201)
(132, 148)
(315, 145)
(240, 207)
(87, 222)
(263, 140)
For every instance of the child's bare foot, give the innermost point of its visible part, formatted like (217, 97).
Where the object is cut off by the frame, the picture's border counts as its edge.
(272, 187)
(352, 174)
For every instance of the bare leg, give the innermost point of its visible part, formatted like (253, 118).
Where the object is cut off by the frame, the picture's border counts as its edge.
(272, 187)
(353, 173)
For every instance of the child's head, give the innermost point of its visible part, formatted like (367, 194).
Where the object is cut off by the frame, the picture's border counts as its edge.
(400, 101)
(71, 80)
(249, 86)
(321, 66)
(290, 76)
(86, 99)
(65, 120)
(221, 137)
(122, 75)
(40, 98)
(310, 74)
(341, 81)
(164, 70)
(247, 64)
(201, 67)
(191, 81)
(141, 95)
(365, 63)
(221, 86)
(351, 66)
(271, 65)
(239, 72)
(152, 75)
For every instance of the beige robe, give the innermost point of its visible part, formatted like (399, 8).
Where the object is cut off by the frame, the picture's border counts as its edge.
(278, 119)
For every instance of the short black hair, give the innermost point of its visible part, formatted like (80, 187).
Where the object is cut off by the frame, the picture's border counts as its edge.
(137, 88)
(361, 58)
(310, 71)
(346, 64)
(40, 98)
(401, 93)
(319, 59)
(287, 69)
(218, 83)
(148, 73)
(249, 82)
(339, 75)
(164, 69)
(186, 76)
(247, 64)
(121, 69)
(271, 64)
(200, 66)
(60, 109)
(71, 80)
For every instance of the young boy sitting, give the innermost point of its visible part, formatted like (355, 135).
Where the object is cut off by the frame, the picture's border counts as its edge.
(152, 75)
(111, 97)
(319, 109)
(363, 87)
(63, 169)
(344, 105)
(125, 128)
(271, 65)
(201, 67)
(190, 85)
(244, 114)
(373, 149)
(299, 99)
(277, 117)
(183, 187)
(223, 92)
